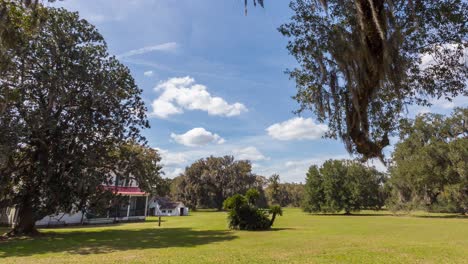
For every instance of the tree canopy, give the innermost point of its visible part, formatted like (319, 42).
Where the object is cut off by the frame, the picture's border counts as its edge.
(208, 182)
(361, 62)
(343, 185)
(430, 162)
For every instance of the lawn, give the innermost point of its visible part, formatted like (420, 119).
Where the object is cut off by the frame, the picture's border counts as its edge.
(296, 238)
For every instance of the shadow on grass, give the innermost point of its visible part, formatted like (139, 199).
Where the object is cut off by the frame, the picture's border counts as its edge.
(350, 215)
(85, 242)
(280, 228)
(459, 216)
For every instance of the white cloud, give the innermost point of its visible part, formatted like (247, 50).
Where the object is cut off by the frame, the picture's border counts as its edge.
(440, 106)
(249, 153)
(148, 73)
(172, 158)
(183, 93)
(165, 47)
(443, 103)
(446, 50)
(377, 164)
(197, 137)
(296, 129)
(295, 170)
(172, 173)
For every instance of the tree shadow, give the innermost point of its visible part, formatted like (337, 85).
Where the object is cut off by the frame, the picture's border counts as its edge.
(447, 216)
(280, 229)
(350, 215)
(85, 242)
(459, 216)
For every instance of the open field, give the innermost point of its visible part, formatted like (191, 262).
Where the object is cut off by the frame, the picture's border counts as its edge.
(296, 238)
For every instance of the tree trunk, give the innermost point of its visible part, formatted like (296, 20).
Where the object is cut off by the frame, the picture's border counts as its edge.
(272, 219)
(25, 223)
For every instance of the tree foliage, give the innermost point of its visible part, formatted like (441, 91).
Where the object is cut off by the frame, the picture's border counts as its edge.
(360, 62)
(273, 190)
(284, 194)
(208, 182)
(244, 215)
(343, 185)
(76, 113)
(19, 20)
(430, 163)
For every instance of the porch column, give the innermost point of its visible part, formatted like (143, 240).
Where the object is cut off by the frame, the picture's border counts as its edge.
(146, 205)
(128, 207)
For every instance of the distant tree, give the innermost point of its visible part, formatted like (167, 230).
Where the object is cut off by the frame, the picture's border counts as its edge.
(291, 194)
(165, 188)
(314, 197)
(343, 185)
(208, 182)
(360, 62)
(260, 185)
(75, 107)
(430, 161)
(244, 215)
(141, 164)
(273, 190)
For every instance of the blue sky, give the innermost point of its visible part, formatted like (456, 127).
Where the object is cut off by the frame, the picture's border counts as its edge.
(214, 84)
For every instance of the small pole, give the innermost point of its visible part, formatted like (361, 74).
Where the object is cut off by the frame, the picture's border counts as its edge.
(159, 221)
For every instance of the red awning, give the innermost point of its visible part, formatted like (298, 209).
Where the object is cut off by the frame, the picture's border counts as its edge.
(125, 190)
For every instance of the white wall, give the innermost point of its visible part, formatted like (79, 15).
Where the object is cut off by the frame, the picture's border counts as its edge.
(174, 212)
(7, 215)
(69, 219)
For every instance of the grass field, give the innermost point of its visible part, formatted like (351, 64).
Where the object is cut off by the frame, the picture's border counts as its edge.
(296, 238)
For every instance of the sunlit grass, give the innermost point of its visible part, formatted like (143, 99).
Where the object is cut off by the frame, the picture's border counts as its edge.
(296, 238)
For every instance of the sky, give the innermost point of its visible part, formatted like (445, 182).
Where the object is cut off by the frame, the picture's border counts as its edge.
(214, 84)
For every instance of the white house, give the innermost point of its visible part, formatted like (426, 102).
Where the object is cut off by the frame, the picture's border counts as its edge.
(160, 206)
(133, 210)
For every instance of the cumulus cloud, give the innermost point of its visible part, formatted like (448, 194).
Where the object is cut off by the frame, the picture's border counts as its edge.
(165, 47)
(450, 50)
(197, 137)
(295, 170)
(249, 153)
(148, 73)
(183, 93)
(459, 101)
(174, 172)
(297, 128)
(172, 158)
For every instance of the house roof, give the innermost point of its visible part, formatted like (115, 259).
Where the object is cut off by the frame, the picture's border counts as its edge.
(125, 190)
(166, 203)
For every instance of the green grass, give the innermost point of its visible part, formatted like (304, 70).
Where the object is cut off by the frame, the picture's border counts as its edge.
(296, 238)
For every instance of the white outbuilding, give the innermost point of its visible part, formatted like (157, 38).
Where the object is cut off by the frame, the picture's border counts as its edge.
(161, 206)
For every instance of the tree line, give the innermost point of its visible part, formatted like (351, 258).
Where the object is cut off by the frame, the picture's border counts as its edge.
(208, 182)
(428, 171)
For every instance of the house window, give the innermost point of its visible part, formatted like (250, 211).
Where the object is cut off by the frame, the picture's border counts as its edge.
(170, 211)
(163, 211)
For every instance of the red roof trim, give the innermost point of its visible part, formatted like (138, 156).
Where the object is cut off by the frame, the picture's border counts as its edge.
(125, 190)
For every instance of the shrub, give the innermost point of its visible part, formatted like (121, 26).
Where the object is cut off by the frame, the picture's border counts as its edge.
(244, 215)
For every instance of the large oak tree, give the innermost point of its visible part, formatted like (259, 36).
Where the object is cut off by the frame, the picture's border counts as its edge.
(430, 162)
(77, 113)
(362, 61)
(208, 182)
